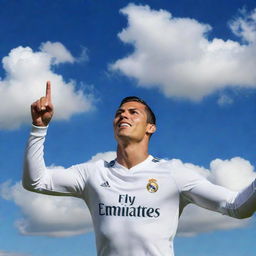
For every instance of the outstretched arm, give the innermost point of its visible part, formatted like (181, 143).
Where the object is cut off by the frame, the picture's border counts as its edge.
(213, 197)
(38, 178)
(196, 189)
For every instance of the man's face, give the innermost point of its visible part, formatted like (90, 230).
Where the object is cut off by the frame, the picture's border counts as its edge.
(130, 122)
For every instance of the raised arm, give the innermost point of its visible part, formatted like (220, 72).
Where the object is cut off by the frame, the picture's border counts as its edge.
(38, 178)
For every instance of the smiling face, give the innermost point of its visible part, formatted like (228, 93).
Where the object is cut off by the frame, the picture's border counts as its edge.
(130, 123)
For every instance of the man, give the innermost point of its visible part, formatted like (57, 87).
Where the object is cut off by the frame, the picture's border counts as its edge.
(135, 200)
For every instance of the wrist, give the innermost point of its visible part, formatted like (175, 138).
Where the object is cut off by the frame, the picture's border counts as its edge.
(39, 124)
(38, 131)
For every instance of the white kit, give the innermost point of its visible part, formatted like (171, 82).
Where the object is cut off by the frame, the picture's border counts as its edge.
(135, 211)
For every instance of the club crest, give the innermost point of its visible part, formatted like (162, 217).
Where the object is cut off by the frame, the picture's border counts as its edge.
(152, 185)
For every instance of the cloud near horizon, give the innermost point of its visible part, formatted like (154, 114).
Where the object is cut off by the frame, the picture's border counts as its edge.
(65, 216)
(26, 73)
(176, 56)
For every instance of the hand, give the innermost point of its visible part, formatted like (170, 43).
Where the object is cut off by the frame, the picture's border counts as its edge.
(42, 109)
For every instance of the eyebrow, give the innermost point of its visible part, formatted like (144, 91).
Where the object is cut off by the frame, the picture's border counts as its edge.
(122, 110)
(132, 108)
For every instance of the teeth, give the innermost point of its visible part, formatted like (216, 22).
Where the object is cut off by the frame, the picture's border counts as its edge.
(124, 125)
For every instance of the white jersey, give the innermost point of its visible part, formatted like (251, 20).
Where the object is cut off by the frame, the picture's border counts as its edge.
(134, 211)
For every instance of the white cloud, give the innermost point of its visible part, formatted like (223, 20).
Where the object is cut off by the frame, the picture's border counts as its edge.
(175, 55)
(233, 174)
(196, 220)
(108, 156)
(225, 100)
(26, 74)
(244, 26)
(58, 52)
(83, 56)
(66, 216)
(59, 216)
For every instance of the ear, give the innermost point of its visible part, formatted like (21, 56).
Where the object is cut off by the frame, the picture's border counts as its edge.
(151, 128)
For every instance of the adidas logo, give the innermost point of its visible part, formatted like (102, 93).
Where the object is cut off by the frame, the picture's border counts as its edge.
(105, 184)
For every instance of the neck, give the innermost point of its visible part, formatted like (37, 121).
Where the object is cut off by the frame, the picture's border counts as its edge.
(130, 155)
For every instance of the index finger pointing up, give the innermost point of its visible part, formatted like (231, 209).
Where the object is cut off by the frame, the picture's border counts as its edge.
(48, 91)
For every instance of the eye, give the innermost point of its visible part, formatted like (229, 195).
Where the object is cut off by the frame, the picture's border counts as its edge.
(133, 111)
(117, 113)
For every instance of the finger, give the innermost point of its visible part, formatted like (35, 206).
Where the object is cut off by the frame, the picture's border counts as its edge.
(38, 106)
(49, 107)
(43, 103)
(48, 91)
(34, 107)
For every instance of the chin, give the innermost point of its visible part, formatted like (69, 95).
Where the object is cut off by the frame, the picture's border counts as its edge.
(122, 136)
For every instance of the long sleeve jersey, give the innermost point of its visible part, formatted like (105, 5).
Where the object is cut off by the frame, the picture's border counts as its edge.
(134, 211)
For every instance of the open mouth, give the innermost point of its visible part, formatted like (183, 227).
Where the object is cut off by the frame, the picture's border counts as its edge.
(124, 125)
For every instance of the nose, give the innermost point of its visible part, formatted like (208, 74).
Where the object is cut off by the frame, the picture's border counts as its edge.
(123, 115)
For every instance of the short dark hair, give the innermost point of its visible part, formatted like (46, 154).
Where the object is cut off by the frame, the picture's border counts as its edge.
(151, 118)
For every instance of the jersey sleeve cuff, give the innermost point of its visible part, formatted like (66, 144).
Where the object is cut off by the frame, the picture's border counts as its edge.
(38, 131)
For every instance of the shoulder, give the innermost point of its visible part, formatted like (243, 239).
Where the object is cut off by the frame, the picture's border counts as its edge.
(187, 175)
(91, 165)
(91, 168)
(169, 164)
(182, 172)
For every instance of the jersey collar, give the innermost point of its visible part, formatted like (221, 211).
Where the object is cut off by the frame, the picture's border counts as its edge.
(137, 166)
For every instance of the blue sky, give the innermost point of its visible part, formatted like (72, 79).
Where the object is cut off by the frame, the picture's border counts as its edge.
(192, 61)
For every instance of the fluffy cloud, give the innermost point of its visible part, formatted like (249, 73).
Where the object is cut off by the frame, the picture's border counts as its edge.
(58, 52)
(244, 26)
(65, 216)
(26, 74)
(175, 55)
(59, 216)
(108, 156)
